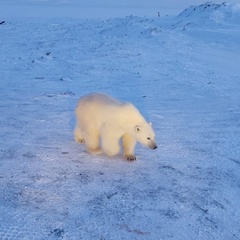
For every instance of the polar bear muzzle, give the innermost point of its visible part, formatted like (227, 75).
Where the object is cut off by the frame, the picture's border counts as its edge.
(152, 145)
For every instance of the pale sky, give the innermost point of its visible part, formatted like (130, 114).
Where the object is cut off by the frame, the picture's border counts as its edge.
(130, 3)
(143, 3)
(96, 8)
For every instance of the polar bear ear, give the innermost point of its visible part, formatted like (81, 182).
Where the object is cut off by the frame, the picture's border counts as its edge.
(137, 128)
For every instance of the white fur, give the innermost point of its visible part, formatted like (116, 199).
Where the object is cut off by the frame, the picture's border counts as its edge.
(102, 121)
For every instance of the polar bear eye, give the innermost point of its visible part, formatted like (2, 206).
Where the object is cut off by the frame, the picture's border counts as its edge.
(148, 138)
(137, 129)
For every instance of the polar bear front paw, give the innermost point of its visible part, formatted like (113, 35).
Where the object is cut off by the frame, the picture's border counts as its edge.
(130, 157)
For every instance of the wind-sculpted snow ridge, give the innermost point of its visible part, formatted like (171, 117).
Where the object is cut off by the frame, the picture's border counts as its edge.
(211, 12)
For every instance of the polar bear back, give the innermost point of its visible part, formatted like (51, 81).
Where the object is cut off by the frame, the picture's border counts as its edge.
(98, 108)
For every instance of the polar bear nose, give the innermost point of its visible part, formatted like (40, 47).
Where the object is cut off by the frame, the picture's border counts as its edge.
(152, 145)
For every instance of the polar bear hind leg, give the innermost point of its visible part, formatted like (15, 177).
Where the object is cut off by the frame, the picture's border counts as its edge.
(109, 141)
(128, 144)
(91, 137)
(78, 136)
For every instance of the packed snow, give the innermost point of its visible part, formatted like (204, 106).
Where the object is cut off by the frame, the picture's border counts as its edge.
(181, 72)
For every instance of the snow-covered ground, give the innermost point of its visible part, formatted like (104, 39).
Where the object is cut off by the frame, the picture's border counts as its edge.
(181, 72)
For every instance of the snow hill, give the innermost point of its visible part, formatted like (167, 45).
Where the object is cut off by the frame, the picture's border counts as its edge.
(183, 74)
(217, 13)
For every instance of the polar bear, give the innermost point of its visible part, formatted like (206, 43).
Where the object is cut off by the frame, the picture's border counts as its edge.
(101, 122)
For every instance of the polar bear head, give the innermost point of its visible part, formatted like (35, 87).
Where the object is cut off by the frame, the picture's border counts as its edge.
(144, 134)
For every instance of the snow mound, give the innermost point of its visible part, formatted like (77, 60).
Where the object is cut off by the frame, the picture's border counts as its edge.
(131, 26)
(211, 12)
